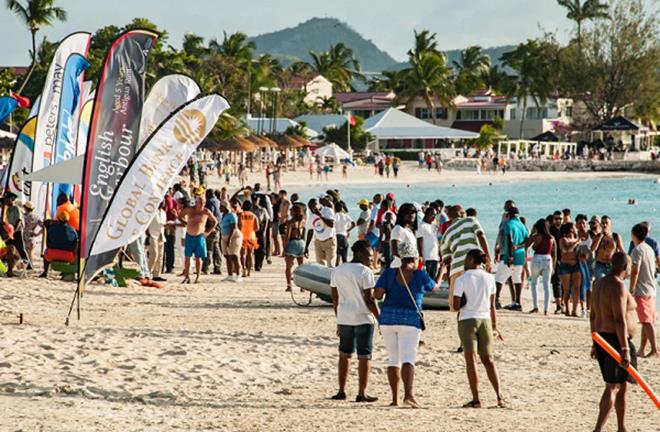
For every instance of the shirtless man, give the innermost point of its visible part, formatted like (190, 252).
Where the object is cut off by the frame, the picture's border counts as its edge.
(195, 219)
(613, 317)
(285, 204)
(603, 246)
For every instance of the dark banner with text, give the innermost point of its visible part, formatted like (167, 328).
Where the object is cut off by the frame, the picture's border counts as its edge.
(113, 137)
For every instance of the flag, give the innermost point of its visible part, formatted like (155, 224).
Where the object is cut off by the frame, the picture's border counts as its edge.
(154, 171)
(23, 102)
(113, 138)
(20, 164)
(67, 129)
(48, 118)
(7, 106)
(165, 97)
(351, 120)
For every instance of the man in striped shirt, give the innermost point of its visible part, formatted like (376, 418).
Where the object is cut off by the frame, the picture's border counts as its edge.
(463, 235)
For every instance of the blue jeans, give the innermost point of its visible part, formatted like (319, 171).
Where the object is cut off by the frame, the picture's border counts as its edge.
(586, 279)
(358, 337)
(541, 267)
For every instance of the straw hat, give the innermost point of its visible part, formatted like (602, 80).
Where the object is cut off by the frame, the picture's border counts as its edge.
(408, 250)
(29, 205)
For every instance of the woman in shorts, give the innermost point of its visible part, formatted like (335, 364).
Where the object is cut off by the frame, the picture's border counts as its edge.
(294, 243)
(474, 298)
(249, 226)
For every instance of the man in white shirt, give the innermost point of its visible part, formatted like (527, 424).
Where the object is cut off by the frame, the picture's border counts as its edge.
(322, 225)
(363, 219)
(357, 314)
(427, 242)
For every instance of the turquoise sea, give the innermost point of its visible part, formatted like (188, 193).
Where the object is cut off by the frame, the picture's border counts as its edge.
(535, 199)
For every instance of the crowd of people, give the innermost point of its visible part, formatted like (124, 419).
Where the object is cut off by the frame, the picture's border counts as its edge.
(398, 253)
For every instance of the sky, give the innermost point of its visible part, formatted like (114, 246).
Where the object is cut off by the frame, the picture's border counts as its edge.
(388, 23)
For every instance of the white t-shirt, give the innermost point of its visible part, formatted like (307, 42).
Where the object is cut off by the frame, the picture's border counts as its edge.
(323, 232)
(366, 216)
(478, 286)
(351, 279)
(429, 234)
(342, 223)
(402, 234)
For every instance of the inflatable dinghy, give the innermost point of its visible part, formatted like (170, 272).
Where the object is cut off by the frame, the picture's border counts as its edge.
(316, 279)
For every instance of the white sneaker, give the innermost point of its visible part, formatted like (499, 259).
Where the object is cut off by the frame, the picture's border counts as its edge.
(229, 278)
(238, 279)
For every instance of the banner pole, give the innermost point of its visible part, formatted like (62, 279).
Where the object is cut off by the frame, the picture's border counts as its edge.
(76, 294)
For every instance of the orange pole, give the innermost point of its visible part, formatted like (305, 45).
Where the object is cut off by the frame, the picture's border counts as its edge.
(631, 370)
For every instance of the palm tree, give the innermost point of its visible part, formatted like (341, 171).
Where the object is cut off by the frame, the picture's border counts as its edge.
(495, 79)
(235, 46)
(580, 11)
(338, 65)
(35, 14)
(488, 135)
(428, 76)
(534, 73)
(473, 64)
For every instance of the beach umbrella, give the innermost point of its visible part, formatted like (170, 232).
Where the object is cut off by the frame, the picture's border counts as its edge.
(302, 140)
(332, 151)
(236, 143)
(258, 141)
(287, 141)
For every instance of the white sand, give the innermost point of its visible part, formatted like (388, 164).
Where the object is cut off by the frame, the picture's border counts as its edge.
(222, 356)
(241, 357)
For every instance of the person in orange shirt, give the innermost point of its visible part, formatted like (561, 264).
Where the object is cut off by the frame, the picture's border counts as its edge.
(249, 225)
(63, 204)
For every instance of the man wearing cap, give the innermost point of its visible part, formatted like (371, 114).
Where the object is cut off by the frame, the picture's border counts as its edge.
(61, 241)
(514, 234)
(322, 224)
(363, 219)
(12, 230)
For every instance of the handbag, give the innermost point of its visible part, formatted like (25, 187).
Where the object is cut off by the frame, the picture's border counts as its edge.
(422, 324)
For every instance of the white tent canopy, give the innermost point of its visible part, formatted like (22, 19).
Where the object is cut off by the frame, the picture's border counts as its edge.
(395, 124)
(67, 172)
(332, 151)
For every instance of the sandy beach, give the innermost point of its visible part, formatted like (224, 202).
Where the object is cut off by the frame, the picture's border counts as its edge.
(411, 174)
(221, 356)
(243, 357)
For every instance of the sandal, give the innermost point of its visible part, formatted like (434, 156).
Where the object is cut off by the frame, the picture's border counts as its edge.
(472, 404)
(501, 403)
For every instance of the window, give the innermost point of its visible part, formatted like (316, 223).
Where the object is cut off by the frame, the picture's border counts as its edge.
(467, 115)
(512, 114)
(425, 114)
(569, 111)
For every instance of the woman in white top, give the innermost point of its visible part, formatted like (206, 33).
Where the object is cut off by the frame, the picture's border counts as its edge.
(404, 231)
(474, 298)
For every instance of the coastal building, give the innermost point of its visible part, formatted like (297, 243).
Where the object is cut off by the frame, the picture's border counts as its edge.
(470, 113)
(318, 122)
(316, 88)
(269, 125)
(365, 104)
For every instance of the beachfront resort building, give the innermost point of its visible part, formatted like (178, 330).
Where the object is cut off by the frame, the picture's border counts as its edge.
(470, 113)
(316, 88)
(365, 104)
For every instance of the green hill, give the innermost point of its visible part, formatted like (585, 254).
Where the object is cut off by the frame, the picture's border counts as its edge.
(318, 34)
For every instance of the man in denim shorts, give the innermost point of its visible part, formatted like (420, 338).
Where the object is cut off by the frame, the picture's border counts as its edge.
(357, 313)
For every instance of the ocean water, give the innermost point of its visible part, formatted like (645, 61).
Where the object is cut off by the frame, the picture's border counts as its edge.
(535, 199)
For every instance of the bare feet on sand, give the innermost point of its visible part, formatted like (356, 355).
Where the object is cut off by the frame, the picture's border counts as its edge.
(411, 403)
